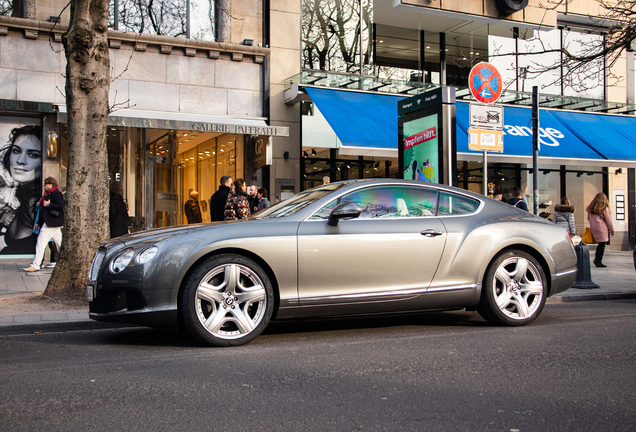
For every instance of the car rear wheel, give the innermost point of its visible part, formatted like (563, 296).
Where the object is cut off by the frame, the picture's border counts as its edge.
(227, 301)
(514, 289)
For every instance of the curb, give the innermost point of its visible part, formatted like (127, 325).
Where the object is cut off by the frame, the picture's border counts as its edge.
(592, 297)
(57, 327)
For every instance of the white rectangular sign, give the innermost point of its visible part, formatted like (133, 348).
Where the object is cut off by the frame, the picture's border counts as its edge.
(486, 115)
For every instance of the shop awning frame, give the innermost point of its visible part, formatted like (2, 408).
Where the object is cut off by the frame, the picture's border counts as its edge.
(184, 121)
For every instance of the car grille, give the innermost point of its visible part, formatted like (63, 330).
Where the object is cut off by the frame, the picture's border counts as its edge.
(113, 301)
(97, 263)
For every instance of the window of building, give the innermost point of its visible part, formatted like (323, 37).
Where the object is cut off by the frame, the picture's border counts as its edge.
(337, 35)
(165, 17)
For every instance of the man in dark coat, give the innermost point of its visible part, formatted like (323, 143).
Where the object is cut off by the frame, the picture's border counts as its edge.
(217, 200)
(49, 223)
(118, 214)
(192, 209)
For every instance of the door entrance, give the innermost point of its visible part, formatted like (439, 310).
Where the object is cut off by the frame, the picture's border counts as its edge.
(161, 179)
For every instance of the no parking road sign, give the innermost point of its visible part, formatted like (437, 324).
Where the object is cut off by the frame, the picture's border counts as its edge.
(485, 83)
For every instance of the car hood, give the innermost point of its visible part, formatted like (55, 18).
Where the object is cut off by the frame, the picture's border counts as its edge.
(203, 230)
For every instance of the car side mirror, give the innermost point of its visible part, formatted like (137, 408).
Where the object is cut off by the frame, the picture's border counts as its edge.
(344, 210)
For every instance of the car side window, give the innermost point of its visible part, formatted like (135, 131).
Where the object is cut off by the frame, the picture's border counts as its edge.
(388, 202)
(453, 204)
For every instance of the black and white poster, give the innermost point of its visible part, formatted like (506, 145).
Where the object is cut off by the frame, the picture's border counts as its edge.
(20, 183)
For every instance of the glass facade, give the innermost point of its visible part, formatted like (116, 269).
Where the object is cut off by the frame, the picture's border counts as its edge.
(156, 170)
(194, 19)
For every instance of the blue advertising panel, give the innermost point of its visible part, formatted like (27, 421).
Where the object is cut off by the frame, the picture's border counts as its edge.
(555, 139)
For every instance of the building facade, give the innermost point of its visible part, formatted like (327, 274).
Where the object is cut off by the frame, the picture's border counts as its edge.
(350, 52)
(226, 90)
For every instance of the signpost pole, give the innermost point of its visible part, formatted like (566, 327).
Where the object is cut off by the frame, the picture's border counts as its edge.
(485, 173)
(535, 148)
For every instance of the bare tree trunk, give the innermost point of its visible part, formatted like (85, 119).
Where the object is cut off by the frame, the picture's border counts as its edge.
(86, 209)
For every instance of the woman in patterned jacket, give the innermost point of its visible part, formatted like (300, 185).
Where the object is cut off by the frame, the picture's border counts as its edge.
(237, 205)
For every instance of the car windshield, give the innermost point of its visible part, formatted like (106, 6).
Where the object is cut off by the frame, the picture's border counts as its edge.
(298, 201)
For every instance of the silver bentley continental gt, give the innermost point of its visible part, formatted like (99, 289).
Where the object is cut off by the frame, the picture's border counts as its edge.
(347, 248)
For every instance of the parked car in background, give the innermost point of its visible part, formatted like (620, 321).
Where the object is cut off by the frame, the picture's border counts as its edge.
(346, 248)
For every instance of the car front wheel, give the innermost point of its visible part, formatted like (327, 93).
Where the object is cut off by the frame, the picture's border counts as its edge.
(514, 289)
(227, 301)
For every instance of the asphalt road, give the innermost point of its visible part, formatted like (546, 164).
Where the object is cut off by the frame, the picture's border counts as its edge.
(572, 370)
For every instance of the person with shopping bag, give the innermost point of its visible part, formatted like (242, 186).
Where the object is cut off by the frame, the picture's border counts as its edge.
(600, 219)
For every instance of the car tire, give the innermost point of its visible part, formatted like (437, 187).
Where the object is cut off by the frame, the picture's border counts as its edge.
(514, 289)
(228, 300)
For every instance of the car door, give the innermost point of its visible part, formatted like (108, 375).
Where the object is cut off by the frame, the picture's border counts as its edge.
(393, 248)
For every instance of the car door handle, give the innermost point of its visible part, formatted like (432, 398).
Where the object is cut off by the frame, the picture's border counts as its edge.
(431, 233)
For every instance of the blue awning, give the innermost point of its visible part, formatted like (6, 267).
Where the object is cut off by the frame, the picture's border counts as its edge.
(365, 122)
(566, 138)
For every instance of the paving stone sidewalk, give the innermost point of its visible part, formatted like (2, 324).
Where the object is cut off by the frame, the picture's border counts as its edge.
(617, 281)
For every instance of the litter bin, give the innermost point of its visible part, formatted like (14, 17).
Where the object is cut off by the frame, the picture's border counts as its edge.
(584, 273)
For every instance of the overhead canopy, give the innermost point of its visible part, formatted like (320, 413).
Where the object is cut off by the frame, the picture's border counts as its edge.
(565, 138)
(184, 121)
(365, 123)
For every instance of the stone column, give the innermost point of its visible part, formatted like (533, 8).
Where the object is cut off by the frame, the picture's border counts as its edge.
(28, 9)
(223, 20)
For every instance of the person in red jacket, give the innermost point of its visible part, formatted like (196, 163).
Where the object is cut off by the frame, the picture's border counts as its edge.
(50, 221)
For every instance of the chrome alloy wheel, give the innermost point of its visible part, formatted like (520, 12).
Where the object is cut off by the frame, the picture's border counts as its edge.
(230, 301)
(517, 288)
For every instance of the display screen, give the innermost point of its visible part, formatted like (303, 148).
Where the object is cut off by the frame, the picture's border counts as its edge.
(421, 149)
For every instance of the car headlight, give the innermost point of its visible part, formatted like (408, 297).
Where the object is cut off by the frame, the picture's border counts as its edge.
(147, 255)
(121, 261)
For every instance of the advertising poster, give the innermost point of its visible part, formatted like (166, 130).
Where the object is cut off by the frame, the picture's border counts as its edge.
(421, 149)
(20, 183)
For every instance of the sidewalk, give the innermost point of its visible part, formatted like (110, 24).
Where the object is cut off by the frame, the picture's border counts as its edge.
(616, 282)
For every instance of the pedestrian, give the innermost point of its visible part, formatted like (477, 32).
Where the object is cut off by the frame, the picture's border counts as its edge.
(263, 202)
(498, 196)
(517, 199)
(237, 206)
(218, 199)
(118, 213)
(600, 218)
(192, 209)
(50, 221)
(253, 199)
(326, 180)
(564, 215)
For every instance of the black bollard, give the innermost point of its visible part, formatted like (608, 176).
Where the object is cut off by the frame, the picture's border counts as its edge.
(584, 274)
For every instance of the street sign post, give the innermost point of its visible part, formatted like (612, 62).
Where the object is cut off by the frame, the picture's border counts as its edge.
(484, 82)
(486, 121)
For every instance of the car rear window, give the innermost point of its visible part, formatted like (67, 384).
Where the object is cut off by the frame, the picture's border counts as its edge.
(454, 204)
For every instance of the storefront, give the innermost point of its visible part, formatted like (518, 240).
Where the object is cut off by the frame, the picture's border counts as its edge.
(581, 153)
(156, 160)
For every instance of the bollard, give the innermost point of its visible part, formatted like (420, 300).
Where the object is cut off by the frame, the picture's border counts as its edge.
(584, 274)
